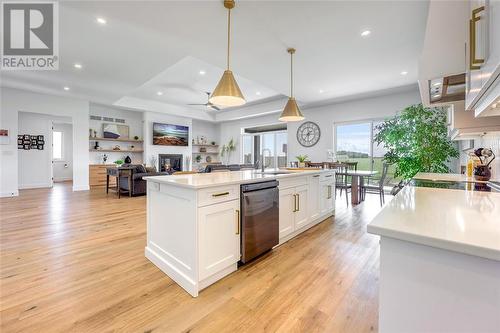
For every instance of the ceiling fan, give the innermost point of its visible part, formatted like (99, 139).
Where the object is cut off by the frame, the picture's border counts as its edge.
(208, 104)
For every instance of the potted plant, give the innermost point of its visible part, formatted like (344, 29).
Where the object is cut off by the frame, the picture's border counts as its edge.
(118, 162)
(227, 149)
(302, 160)
(213, 143)
(416, 140)
(136, 138)
(198, 158)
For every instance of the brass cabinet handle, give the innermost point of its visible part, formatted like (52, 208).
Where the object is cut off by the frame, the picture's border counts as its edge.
(215, 195)
(316, 176)
(294, 203)
(328, 176)
(474, 63)
(298, 202)
(237, 221)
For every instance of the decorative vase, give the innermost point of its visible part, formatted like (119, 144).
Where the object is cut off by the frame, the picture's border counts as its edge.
(128, 160)
(482, 172)
(302, 164)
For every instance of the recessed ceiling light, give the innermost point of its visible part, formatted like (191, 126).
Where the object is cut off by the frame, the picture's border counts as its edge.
(101, 20)
(257, 93)
(77, 65)
(366, 33)
(321, 91)
(66, 88)
(404, 72)
(202, 72)
(159, 93)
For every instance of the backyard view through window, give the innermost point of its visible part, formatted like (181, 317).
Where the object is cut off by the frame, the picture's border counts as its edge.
(274, 143)
(354, 143)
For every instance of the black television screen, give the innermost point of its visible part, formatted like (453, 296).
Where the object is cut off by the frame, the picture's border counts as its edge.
(170, 135)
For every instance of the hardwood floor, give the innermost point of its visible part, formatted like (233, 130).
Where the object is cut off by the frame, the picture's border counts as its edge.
(74, 262)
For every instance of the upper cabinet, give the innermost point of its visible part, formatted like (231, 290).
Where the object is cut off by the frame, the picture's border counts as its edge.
(483, 58)
(442, 60)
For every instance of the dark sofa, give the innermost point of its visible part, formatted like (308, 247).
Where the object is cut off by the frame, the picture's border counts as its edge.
(136, 172)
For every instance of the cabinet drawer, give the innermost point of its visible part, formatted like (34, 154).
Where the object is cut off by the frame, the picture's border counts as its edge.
(215, 195)
(292, 182)
(327, 176)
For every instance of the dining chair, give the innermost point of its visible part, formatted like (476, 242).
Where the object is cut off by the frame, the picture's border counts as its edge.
(378, 187)
(341, 180)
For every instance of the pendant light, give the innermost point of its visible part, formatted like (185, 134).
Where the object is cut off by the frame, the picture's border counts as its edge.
(227, 92)
(291, 112)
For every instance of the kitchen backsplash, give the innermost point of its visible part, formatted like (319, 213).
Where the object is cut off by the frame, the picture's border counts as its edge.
(488, 141)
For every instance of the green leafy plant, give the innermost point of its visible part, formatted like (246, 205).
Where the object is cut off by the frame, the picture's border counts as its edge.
(228, 148)
(416, 141)
(302, 158)
(198, 158)
(119, 162)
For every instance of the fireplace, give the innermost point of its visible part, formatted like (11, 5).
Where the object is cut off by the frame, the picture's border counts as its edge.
(169, 162)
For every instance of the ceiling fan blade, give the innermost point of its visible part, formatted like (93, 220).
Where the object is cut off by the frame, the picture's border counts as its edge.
(198, 104)
(215, 107)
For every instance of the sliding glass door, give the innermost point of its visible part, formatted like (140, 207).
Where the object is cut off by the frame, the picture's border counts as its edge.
(354, 143)
(272, 144)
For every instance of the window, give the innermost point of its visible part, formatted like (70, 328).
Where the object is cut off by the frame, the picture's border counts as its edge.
(354, 143)
(57, 145)
(274, 144)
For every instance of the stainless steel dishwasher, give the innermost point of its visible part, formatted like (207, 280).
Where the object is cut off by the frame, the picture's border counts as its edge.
(259, 219)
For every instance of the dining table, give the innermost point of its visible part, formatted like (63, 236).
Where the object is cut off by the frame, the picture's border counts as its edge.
(357, 177)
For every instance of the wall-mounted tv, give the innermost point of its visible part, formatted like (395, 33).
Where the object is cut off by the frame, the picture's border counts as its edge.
(170, 135)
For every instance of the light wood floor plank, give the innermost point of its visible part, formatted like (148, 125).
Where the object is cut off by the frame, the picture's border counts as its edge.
(74, 262)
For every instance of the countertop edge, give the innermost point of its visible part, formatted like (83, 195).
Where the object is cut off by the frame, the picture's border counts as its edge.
(268, 177)
(473, 250)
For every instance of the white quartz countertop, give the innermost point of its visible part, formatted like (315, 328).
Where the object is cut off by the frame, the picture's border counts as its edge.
(451, 177)
(455, 220)
(203, 180)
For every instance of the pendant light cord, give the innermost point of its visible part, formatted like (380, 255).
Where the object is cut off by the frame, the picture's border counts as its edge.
(291, 74)
(228, 35)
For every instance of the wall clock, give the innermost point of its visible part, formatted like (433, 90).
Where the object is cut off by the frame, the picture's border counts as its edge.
(308, 134)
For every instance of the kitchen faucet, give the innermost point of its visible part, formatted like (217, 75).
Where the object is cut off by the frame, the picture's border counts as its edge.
(264, 158)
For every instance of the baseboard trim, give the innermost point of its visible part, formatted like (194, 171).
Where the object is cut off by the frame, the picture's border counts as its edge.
(9, 194)
(65, 179)
(81, 188)
(33, 186)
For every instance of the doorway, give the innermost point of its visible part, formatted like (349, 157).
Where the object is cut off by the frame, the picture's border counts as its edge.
(62, 152)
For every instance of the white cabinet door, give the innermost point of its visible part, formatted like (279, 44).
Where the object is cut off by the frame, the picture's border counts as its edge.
(219, 237)
(287, 211)
(313, 191)
(301, 214)
(327, 197)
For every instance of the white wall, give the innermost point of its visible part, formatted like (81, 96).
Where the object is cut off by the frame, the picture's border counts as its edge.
(325, 116)
(12, 102)
(35, 166)
(132, 118)
(63, 169)
(207, 129)
(154, 150)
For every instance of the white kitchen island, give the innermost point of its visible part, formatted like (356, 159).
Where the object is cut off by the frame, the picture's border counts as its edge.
(439, 260)
(193, 221)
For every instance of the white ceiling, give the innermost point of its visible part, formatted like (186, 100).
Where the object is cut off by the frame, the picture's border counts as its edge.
(150, 46)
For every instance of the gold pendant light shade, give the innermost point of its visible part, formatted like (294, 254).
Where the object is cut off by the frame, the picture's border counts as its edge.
(291, 112)
(227, 92)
